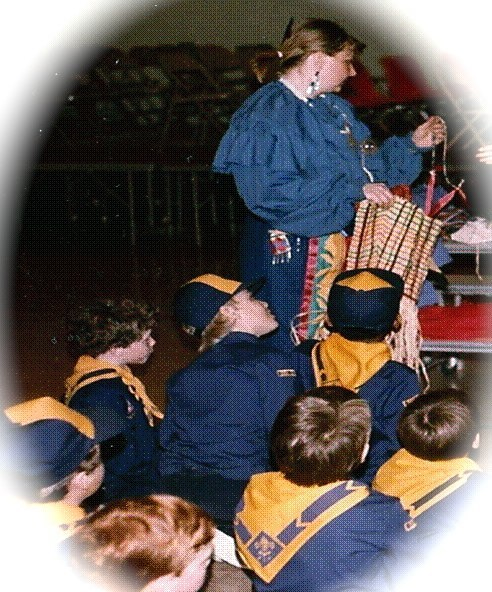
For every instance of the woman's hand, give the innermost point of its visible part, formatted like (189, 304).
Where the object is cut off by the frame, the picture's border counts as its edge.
(430, 133)
(379, 194)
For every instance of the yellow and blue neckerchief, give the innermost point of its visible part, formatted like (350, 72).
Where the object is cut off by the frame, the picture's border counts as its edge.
(276, 518)
(89, 370)
(420, 483)
(340, 362)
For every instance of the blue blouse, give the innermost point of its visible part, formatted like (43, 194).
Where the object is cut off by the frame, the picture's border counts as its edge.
(297, 164)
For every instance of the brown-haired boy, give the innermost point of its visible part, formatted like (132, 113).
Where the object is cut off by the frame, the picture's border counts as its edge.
(310, 526)
(433, 474)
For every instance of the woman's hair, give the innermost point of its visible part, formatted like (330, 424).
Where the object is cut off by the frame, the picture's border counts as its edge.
(129, 543)
(319, 437)
(100, 325)
(301, 40)
(438, 425)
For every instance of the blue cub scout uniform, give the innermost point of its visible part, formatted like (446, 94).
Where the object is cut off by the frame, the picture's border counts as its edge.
(221, 408)
(133, 460)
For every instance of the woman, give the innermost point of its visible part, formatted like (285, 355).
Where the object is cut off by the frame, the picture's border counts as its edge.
(302, 162)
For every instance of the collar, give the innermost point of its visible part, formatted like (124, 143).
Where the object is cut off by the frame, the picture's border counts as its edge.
(411, 478)
(293, 90)
(338, 361)
(237, 336)
(295, 515)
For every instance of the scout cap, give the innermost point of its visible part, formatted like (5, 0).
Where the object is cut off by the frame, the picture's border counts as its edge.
(198, 301)
(46, 441)
(366, 299)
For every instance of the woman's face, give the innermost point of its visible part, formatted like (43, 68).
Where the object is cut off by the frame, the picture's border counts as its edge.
(335, 69)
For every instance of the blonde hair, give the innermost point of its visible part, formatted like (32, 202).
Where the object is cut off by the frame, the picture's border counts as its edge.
(216, 330)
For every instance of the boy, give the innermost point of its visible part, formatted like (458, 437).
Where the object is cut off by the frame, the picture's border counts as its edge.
(221, 407)
(433, 474)
(309, 526)
(149, 544)
(109, 336)
(53, 455)
(362, 312)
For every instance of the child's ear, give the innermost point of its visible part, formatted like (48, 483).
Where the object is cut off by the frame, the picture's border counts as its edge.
(476, 442)
(364, 452)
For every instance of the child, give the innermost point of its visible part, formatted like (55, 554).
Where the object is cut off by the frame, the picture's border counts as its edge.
(362, 312)
(52, 454)
(109, 336)
(221, 407)
(149, 544)
(310, 526)
(433, 474)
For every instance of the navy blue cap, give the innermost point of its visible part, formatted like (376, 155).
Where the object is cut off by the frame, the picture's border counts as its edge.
(367, 299)
(198, 301)
(46, 441)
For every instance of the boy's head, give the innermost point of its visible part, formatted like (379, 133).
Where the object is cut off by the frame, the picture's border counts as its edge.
(439, 425)
(105, 325)
(320, 436)
(51, 450)
(363, 304)
(210, 307)
(159, 542)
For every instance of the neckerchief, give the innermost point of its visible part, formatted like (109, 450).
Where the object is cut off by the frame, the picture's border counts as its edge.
(340, 362)
(419, 483)
(276, 518)
(88, 370)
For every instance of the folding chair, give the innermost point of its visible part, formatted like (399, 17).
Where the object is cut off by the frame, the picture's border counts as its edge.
(454, 331)
(226, 68)
(199, 109)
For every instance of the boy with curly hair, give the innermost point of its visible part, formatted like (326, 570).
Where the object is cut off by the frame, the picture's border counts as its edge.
(109, 336)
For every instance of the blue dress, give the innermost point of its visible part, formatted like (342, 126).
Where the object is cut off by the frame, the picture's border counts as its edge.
(298, 167)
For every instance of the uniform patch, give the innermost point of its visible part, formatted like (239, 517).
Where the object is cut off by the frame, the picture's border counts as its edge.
(286, 373)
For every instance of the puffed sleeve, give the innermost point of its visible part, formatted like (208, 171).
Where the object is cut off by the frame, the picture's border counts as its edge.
(401, 159)
(397, 161)
(287, 172)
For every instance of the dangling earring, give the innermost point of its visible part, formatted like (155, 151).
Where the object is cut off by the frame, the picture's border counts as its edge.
(313, 86)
